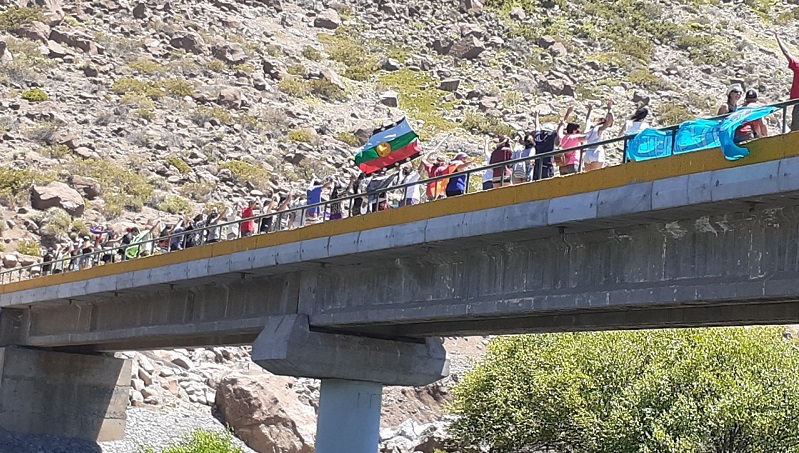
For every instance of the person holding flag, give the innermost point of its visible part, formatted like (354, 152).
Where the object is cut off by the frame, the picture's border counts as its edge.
(793, 65)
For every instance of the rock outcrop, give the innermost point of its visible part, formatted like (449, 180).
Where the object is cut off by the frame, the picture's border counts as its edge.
(57, 195)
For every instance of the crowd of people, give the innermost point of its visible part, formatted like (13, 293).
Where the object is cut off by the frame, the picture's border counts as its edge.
(357, 195)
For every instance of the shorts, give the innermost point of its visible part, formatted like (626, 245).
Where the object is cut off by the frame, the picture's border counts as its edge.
(795, 118)
(567, 169)
(501, 181)
(592, 155)
(488, 185)
(336, 216)
(454, 193)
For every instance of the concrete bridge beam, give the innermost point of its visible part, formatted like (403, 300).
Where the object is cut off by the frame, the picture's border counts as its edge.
(353, 371)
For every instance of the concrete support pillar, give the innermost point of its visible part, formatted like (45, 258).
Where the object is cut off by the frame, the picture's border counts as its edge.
(69, 395)
(349, 417)
(353, 371)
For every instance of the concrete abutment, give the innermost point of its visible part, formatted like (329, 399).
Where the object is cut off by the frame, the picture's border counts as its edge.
(61, 394)
(353, 371)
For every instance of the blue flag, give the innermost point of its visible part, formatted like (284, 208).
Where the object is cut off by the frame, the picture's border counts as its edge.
(696, 135)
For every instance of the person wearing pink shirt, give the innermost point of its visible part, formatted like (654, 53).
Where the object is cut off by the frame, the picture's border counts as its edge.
(569, 161)
(793, 65)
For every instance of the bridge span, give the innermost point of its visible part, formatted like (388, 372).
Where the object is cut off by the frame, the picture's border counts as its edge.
(691, 240)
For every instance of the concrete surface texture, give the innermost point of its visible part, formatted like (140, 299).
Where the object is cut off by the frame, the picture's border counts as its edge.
(68, 395)
(677, 241)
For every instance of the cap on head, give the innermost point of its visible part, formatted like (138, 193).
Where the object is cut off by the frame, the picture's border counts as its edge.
(461, 156)
(735, 87)
(751, 95)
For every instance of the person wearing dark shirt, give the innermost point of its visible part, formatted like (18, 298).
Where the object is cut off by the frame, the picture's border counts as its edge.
(47, 261)
(457, 185)
(502, 153)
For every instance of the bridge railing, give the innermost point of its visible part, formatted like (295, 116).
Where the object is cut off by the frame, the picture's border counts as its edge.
(296, 217)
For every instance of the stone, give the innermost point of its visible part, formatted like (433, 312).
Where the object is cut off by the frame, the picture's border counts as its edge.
(274, 69)
(149, 392)
(90, 71)
(450, 85)
(470, 6)
(140, 10)
(52, 10)
(391, 64)
(145, 377)
(136, 398)
(230, 97)
(442, 46)
(137, 384)
(517, 13)
(5, 54)
(183, 362)
(546, 41)
(190, 42)
(327, 19)
(558, 87)
(35, 31)
(266, 413)
(57, 195)
(390, 98)
(56, 50)
(640, 98)
(85, 153)
(558, 50)
(231, 53)
(89, 188)
(10, 260)
(467, 48)
(331, 76)
(77, 40)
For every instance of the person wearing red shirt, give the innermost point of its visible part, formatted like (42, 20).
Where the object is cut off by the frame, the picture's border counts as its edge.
(248, 226)
(435, 189)
(793, 65)
(502, 153)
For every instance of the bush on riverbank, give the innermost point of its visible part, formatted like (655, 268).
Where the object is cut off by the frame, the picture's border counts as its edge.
(202, 442)
(692, 390)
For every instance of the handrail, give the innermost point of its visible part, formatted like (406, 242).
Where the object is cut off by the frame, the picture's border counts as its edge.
(95, 257)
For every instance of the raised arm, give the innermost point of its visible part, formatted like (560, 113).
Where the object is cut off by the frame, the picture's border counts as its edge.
(537, 121)
(784, 49)
(608, 117)
(587, 125)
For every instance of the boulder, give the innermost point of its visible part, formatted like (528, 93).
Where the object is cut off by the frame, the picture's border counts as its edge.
(5, 55)
(52, 9)
(391, 64)
(57, 195)
(231, 53)
(558, 87)
(470, 6)
(35, 31)
(190, 42)
(230, 97)
(517, 13)
(266, 413)
(328, 19)
(442, 46)
(274, 69)
(56, 50)
(140, 10)
(390, 98)
(88, 187)
(77, 40)
(331, 76)
(558, 50)
(450, 85)
(467, 48)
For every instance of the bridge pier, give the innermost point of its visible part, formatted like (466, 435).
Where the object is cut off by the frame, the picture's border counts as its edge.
(353, 371)
(68, 395)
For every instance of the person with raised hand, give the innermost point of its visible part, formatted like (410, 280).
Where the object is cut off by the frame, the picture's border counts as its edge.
(793, 65)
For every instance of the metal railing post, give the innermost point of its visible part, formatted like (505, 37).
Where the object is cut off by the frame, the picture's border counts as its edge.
(785, 119)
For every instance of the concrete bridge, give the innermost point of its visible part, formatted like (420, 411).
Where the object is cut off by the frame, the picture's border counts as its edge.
(692, 240)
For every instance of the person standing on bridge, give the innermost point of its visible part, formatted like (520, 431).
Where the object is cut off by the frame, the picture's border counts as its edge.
(247, 213)
(594, 157)
(502, 153)
(793, 65)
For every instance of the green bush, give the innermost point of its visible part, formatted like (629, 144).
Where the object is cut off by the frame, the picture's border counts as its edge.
(123, 188)
(482, 124)
(297, 70)
(202, 115)
(201, 441)
(147, 66)
(421, 98)
(311, 53)
(691, 390)
(349, 138)
(325, 89)
(29, 247)
(672, 114)
(301, 135)
(347, 47)
(35, 95)
(245, 172)
(178, 87)
(294, 87)
(174, 204)
(217, 66)
(179, 164)
(14, 17)
(645, 79)
(56, 222)
(197, 191)
(130, 85)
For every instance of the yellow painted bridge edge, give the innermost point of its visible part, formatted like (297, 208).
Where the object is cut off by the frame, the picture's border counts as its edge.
(763, 150)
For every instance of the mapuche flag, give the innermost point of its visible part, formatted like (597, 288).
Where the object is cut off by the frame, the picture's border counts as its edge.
(388, 147)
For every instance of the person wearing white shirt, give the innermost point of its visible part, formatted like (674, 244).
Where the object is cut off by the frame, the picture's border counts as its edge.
(411, 195)
(636, 122)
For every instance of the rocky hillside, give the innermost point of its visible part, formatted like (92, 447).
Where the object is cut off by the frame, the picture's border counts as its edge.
(144, 108)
